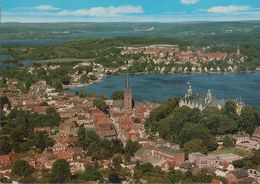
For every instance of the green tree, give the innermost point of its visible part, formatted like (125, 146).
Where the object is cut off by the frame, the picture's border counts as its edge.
(60, 171)
(248, 119)
(92, 174)
(117, 160)
(99, 103)
(256, 157)
(195, 145)
(58, 85)
(4, 101)
(84, 79)
(230, 108)
(52, 117)
(118, 95)
(131, 147)
(137, 121)
(40, 141)
(228, 142)
(175, 176)
(86, 137)
(5, 146)
(21, 168)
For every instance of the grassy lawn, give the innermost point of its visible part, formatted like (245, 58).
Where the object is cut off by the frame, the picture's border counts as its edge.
(238, 151)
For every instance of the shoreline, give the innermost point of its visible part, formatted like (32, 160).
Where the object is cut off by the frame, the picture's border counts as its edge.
(68, 87)
(65, 87)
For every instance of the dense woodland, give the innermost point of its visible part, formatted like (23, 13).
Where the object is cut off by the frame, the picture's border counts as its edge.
(196, 130)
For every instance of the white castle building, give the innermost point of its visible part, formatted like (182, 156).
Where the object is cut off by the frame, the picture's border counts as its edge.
(201, 101)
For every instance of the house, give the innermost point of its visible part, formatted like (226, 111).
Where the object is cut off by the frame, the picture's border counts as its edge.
(66, 155)
(202, 160)
(143, 153)
(68, 128)
(221, 173)
(74, 154)
(76, 167)
(46, 159)
(226, 166)
(186, 166)
(254, 174)
(169, 154)
(256, 134)
(40, 109)
(31, 161)
(103, 125)
(242, 139)
(42, 129)
(67, 141)
(5, 160)
(239, 176)
(58, 146)
(162, 156)
(216, 181)
(167, 165)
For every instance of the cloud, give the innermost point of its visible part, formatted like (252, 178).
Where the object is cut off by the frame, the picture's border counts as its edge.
(40, 8)
(189, 1)
(227, 9)
(45, 8)
(104, 11)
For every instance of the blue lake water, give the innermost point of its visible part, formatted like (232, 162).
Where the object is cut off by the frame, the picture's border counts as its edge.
(158, 87)
(6, 61)
(68, 38)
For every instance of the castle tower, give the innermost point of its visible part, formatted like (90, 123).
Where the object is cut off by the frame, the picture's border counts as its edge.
(209, 96)
(189, 92)
(127, 96)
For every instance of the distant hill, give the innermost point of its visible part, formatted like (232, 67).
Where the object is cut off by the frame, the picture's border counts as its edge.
(242, 32)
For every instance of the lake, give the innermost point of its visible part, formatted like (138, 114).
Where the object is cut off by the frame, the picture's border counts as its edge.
(68, 38)
(158, 87)
(6, 61)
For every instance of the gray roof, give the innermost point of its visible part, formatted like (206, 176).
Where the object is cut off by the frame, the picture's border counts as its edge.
(167, 149)
(198, 154)
(118, 103)
(240, 173)
(200, 99)
(144, 151)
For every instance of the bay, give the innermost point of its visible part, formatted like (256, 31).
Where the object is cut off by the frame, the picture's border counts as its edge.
(158, 87)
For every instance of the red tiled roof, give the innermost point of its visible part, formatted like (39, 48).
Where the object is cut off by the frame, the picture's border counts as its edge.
(256, 133)
(65, 155)
(5, 159)
(225, 164)
(40, 109)
(67, 140)
(215, 181)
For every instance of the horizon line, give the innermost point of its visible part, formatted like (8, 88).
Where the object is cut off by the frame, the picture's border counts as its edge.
(195, 21)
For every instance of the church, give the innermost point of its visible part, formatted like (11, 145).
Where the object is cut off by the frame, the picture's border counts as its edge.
(128, 99)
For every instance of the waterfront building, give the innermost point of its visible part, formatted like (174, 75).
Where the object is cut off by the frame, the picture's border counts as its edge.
(201, 101)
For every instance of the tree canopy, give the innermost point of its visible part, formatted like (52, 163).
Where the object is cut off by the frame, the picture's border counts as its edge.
(60, 171)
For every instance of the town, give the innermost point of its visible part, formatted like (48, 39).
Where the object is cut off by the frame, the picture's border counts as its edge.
(115, 140)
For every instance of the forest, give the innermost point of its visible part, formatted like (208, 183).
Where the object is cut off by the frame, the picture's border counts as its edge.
(196, 130)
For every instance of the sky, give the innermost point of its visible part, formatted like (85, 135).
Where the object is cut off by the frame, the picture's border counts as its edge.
(129, 10)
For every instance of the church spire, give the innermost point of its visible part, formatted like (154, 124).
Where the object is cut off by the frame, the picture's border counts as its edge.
(127, 84)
